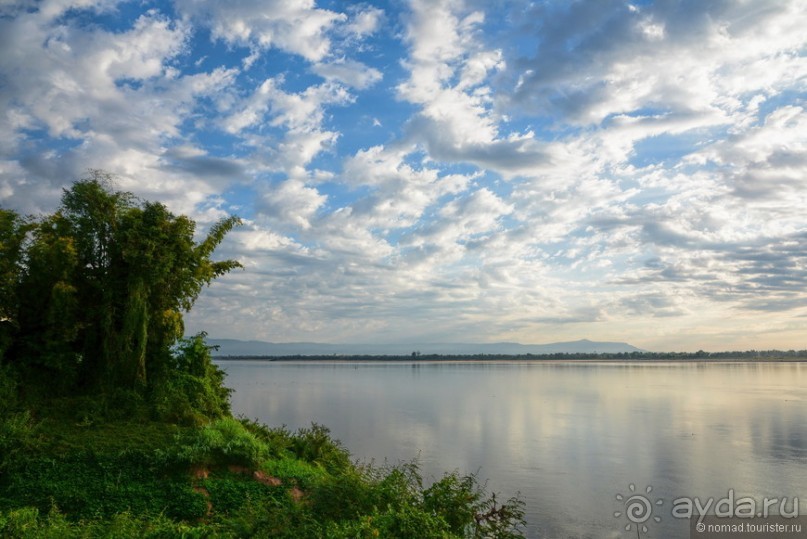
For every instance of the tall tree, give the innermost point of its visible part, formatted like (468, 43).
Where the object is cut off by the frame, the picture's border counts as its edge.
(48, 311)
(106, 282)
(13, 232)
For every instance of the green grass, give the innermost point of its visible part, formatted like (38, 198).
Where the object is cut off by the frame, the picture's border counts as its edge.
(66, 475)
(106, 437)
(294, 471)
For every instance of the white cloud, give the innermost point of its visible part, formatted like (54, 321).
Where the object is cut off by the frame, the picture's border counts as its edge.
(365, 21)
(400, 192)
(291, 202)
(766, 165)
(574, 168)
(296, 112)
(450, 70)
(66, 75)
(681, 58)
(477, 213)
(296, 26)
(298, 116)
(112, 94)
(51, 9)
(349, 72)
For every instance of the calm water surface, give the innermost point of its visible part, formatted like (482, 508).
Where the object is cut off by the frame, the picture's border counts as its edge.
(568, 436)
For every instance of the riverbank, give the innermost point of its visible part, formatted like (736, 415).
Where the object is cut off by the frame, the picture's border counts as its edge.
(66, 471)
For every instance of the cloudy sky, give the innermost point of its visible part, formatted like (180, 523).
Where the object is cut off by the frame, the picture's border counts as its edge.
(442, 170)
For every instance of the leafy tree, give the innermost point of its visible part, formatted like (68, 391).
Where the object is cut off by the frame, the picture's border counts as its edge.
(97, 294)
(13, 232)
(194, 391)
(49, 312)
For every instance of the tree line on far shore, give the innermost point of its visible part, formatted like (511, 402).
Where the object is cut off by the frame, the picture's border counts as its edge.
(748, 355)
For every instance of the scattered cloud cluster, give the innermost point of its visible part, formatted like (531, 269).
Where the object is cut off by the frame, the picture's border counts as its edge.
(442, 170)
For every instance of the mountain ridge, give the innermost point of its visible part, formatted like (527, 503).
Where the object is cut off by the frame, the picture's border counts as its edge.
(236, 347)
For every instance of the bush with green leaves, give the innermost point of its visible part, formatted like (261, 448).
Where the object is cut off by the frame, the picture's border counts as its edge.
(391, 502)
(314, 444)
(279, 440)
(17, 436)
(30, 523)
(403, 522)
(221, 442)
(470, 512)
(294, 471)
(192, 391)
(87, 485)
(8, 390)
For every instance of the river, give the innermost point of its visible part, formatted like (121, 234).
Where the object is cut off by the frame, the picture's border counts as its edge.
(568, 437)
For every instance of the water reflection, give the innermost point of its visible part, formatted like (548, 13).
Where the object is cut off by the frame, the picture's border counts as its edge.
(568, 436)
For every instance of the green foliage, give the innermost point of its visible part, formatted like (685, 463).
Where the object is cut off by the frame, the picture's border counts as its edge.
(29, 523)
(222, 442)
(456, 498)
(90, 410)
(195, 391)
(499, 521)
(73, 433)
(48, 311)
(230, 493)
(279, 440)
(391, 502)
(345, 496)
(294, 471)
(404, 522)
(277, 519)
(470, 512)
(13, 232)
(315, 444)
(8, 390)
(143, 469)
(87, 485)
(17, 436)
(93, 295)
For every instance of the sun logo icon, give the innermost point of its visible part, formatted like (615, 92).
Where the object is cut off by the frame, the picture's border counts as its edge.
(638, 509)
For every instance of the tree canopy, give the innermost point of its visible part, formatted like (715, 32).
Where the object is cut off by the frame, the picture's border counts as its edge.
(92, 297)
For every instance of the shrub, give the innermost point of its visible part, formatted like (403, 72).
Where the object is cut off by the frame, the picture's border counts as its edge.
(223, 441)
(299, 472)
(192, 391)
(85, 485)
(29, 523)
(229, 493)
(316, 445)
(345, 496)
(275, 520)
(279, 440)
(469, 512)
(405, 522)
(456, 498)
(8, 390)
(17, 435)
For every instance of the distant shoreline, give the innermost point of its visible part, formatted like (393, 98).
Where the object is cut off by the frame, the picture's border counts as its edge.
(740, 357)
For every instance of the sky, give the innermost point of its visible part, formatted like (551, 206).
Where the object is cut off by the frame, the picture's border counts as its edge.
(441, 170)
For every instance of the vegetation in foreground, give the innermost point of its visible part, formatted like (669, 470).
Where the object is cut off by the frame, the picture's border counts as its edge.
(77, 476)
(112, 425)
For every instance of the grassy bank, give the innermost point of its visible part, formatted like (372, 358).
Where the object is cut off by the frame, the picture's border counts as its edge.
(66, 474)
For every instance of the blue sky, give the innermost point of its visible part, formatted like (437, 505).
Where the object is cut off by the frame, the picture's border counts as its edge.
(442, 170)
